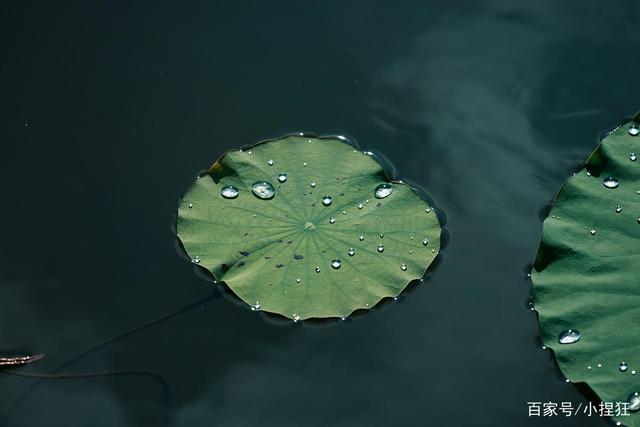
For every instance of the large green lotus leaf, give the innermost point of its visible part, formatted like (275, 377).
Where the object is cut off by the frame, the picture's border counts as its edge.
(586, 277)
(294, 255)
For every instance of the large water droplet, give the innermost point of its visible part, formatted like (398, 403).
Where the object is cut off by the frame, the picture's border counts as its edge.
(263, 190)
(380, 248)
(634, 130)
(634, 401)
(336, 264)
(610, 182)
(623, 366)
(403, 267)
(382, 191)
(327, 200)
(282, 177)
(569, 336)
(229, 192)
(270, 162)
(351, 252)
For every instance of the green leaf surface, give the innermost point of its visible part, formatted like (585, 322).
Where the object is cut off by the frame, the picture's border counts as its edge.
(276, 254)
(586, 275)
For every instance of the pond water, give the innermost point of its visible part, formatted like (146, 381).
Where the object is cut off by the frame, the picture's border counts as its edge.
(109, 111)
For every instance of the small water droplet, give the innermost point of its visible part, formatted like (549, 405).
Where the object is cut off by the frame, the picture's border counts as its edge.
(332, 220)
(381, 235)
(634, 402)
(633, 372)
(410, 252)
(196, 260)
(297, 280)
(360, 205)
(593, 232)
(296, 318)
(623, 366)
(255, 306)
(317, 269)
(282, 177)
(382, 191)
(336, 264)
(618, 209)
(270, 162)
(190, 205)
(263, 190)
(327, 200)
(312, 184)
(589, 368)
(569, 336)
(588, 173)
(229, 192)
(425, 242)
(633, 157)
(351, 252)
(427, 210)
(403, 267)
(599, 365)
(344, 212)
(361, 237)
(610, 182)
(304, 163)
(380, 248)
(249, 152)
(634, 130)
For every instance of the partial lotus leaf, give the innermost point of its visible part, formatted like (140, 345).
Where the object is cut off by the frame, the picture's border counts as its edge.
(307, 227)
(586, 277)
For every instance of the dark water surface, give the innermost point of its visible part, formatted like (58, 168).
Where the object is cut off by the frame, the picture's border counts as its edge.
(110, 110)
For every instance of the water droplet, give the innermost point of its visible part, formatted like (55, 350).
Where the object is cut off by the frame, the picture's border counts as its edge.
(403, 267)
(633, 157)
(382, 191)
(380, 248)
(249, 152)
(633, 130)
(255, 306)
(332, 220)
(381, 235)
(344, 212)
(304, 163)
(589, 368)
(297, 280)
(229, 192)
(410, 252)
(623, 366)
(263, 190)
(270, 162)
(411, 237)
(593, 232)
(610, 182)
(196, 260)
(282, 177)
(312, 184)
(317, 269)
(360, 205)
(190, 205)
(296, 317)
(599, 365)
(634, 401)
(361, 237)
(327, 200)
(618, 209)
(425, 242)
(351, 252)
(427, 210)
(633, 372)
(336, 264)
(569, 336)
